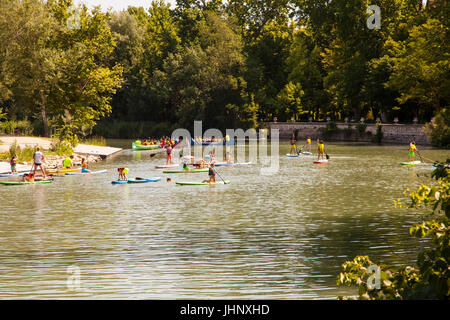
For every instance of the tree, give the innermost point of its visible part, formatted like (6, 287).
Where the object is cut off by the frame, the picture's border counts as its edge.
(200, 80)
(422, 65)
(289, 101)
(58, 69)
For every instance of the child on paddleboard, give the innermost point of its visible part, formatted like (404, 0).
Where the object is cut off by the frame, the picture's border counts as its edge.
(123, 171)
(13, 164)
(67, 163)
(411, 150)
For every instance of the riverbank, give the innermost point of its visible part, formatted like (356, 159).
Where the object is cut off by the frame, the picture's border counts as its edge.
(92, 153)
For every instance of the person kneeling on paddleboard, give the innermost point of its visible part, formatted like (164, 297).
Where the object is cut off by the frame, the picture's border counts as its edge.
(67, 163)
(84, 166)
(320, 150)
(212, 174)
(123, 171)
(28, 177)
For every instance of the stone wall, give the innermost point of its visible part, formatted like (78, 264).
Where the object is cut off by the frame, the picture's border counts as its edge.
(392, 133)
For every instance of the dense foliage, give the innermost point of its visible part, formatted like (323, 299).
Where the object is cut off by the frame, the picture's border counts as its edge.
(430, 278)
(229, 63)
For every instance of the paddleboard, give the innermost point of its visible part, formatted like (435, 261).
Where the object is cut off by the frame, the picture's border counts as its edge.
(201, 183)
(138, 180)
(307, 153)
(292, 155)
(226, 164)
(19, 183)
(168, 166)
(12, 174)
(56, 171)
(81, 173)
(413, 163)
(187, 171)
(321, 161)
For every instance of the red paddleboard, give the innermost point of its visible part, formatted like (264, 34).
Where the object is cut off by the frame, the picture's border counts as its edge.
(321, 161)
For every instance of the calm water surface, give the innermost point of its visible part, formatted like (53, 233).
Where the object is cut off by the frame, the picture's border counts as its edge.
(282, 236)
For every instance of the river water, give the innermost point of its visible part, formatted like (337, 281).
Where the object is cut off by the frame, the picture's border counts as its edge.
(281, 236)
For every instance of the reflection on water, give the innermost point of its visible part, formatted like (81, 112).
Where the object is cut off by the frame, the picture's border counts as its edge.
(283, 236)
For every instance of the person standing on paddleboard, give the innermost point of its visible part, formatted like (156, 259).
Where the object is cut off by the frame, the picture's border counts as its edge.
(212, 174)
(411, 150)
(169, 154)
(293, 147)
(13, 164)
(308, 144)
(320, 150)
(38, 159)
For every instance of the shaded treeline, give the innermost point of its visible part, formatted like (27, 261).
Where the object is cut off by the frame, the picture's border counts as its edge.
(236, 63)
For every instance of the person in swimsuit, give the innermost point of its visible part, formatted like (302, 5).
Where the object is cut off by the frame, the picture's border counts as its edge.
(38, 159)
(13, 164)
(320, 150)
(169, 154)
(308, 144)
(123, 171)
(84, 165)
(212, 174)
(293, 147)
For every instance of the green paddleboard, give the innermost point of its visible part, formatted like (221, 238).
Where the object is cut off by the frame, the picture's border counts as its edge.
(410, 163)
(201, 183)
(19, 183)
(187, 171)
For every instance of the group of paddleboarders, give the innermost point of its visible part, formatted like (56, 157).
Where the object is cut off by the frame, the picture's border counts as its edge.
(321, 148)
(307, 147)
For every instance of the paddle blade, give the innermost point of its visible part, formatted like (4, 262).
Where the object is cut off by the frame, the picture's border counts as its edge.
(152, 155)
(328, 157)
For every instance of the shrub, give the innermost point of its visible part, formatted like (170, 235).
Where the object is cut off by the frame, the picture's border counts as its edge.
(361, 128)
(379, 134)
(23, 155)
(438, 130)
(22, 127)
(61, 148)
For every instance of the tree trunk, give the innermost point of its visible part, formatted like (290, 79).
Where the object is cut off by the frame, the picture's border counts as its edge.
(44, 116)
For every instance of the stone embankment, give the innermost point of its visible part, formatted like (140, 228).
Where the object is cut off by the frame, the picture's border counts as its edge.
(392, 133)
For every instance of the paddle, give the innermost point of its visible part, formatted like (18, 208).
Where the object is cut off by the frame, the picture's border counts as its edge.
(420, 156)
(219, 175)
(301, 150)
